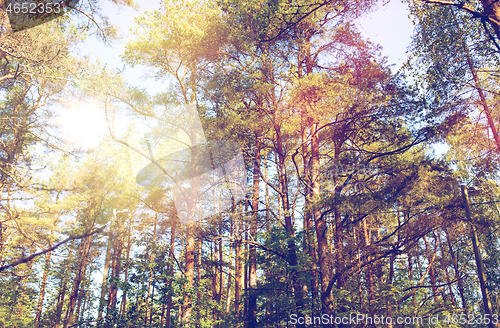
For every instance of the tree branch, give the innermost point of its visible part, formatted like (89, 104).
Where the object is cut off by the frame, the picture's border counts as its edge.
(29, 258)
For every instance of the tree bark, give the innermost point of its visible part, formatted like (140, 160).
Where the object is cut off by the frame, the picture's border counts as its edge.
(189, 271)
(171, 273)
(324, 256)
(42, 289)
(79, 276)
(458, 276)
(116, 261)
(62, 290)
(492, 9)
(123, 305)
(151, 272)
(238, 267)
(289, 226)
(369, 269)
(104, 285)
(477, 256)
(252, 253)
(432, 275)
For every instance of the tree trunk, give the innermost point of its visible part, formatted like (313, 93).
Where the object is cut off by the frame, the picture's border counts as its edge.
(79, 277)
(445, 270)
(432, 275)
(252, 252)
(198, 282)
(83, 295)
(123, 305)
(369, 270)
(324, 256)
(189, 270)
(190, 244)
(458, 276)
(292, 252)
(171, 273)
(238, 267)
(308, 225)
(62, 290)
(492, 9)
(151, 272)
(229, 280)
(477, 256)
(104, 285)
(389, 284)
(246, 269)
(116, 261)
(43, 286)
(221, 272)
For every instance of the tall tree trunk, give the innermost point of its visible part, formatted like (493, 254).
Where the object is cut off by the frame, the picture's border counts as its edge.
(86, 296)
(477, 256)
(194, 137)
(107, 259)
(171, 273)
(308, 225)
(221, 272)
(389, 285)
(23, 282)
(60, 302)
(82, 297)
(213, 257)
(198, 282)
(229, 280)
(492, 8)
(445, 270)
(324, 257)
(238, 267)
(432, 275)
(79, 277)
(62, 290)
(290, 229)
(116, 261)
(252, 252)
(369, 270)
(43, 286)
(151, 272)
(189, 270)
(458, 276)
(123, 305)
(245, 268)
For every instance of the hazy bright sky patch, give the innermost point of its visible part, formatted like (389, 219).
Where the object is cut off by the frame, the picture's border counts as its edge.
(83, 124)
(390, 27)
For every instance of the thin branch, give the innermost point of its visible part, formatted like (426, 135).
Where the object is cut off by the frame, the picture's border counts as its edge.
(29, 258)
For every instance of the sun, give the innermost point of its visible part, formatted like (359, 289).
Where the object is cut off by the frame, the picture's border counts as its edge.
(83, 125)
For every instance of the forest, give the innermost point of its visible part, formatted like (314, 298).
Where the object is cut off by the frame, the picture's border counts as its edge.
(321, 201)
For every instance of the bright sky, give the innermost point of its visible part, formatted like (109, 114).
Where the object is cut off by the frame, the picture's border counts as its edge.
(83, 124)
(390, 27)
